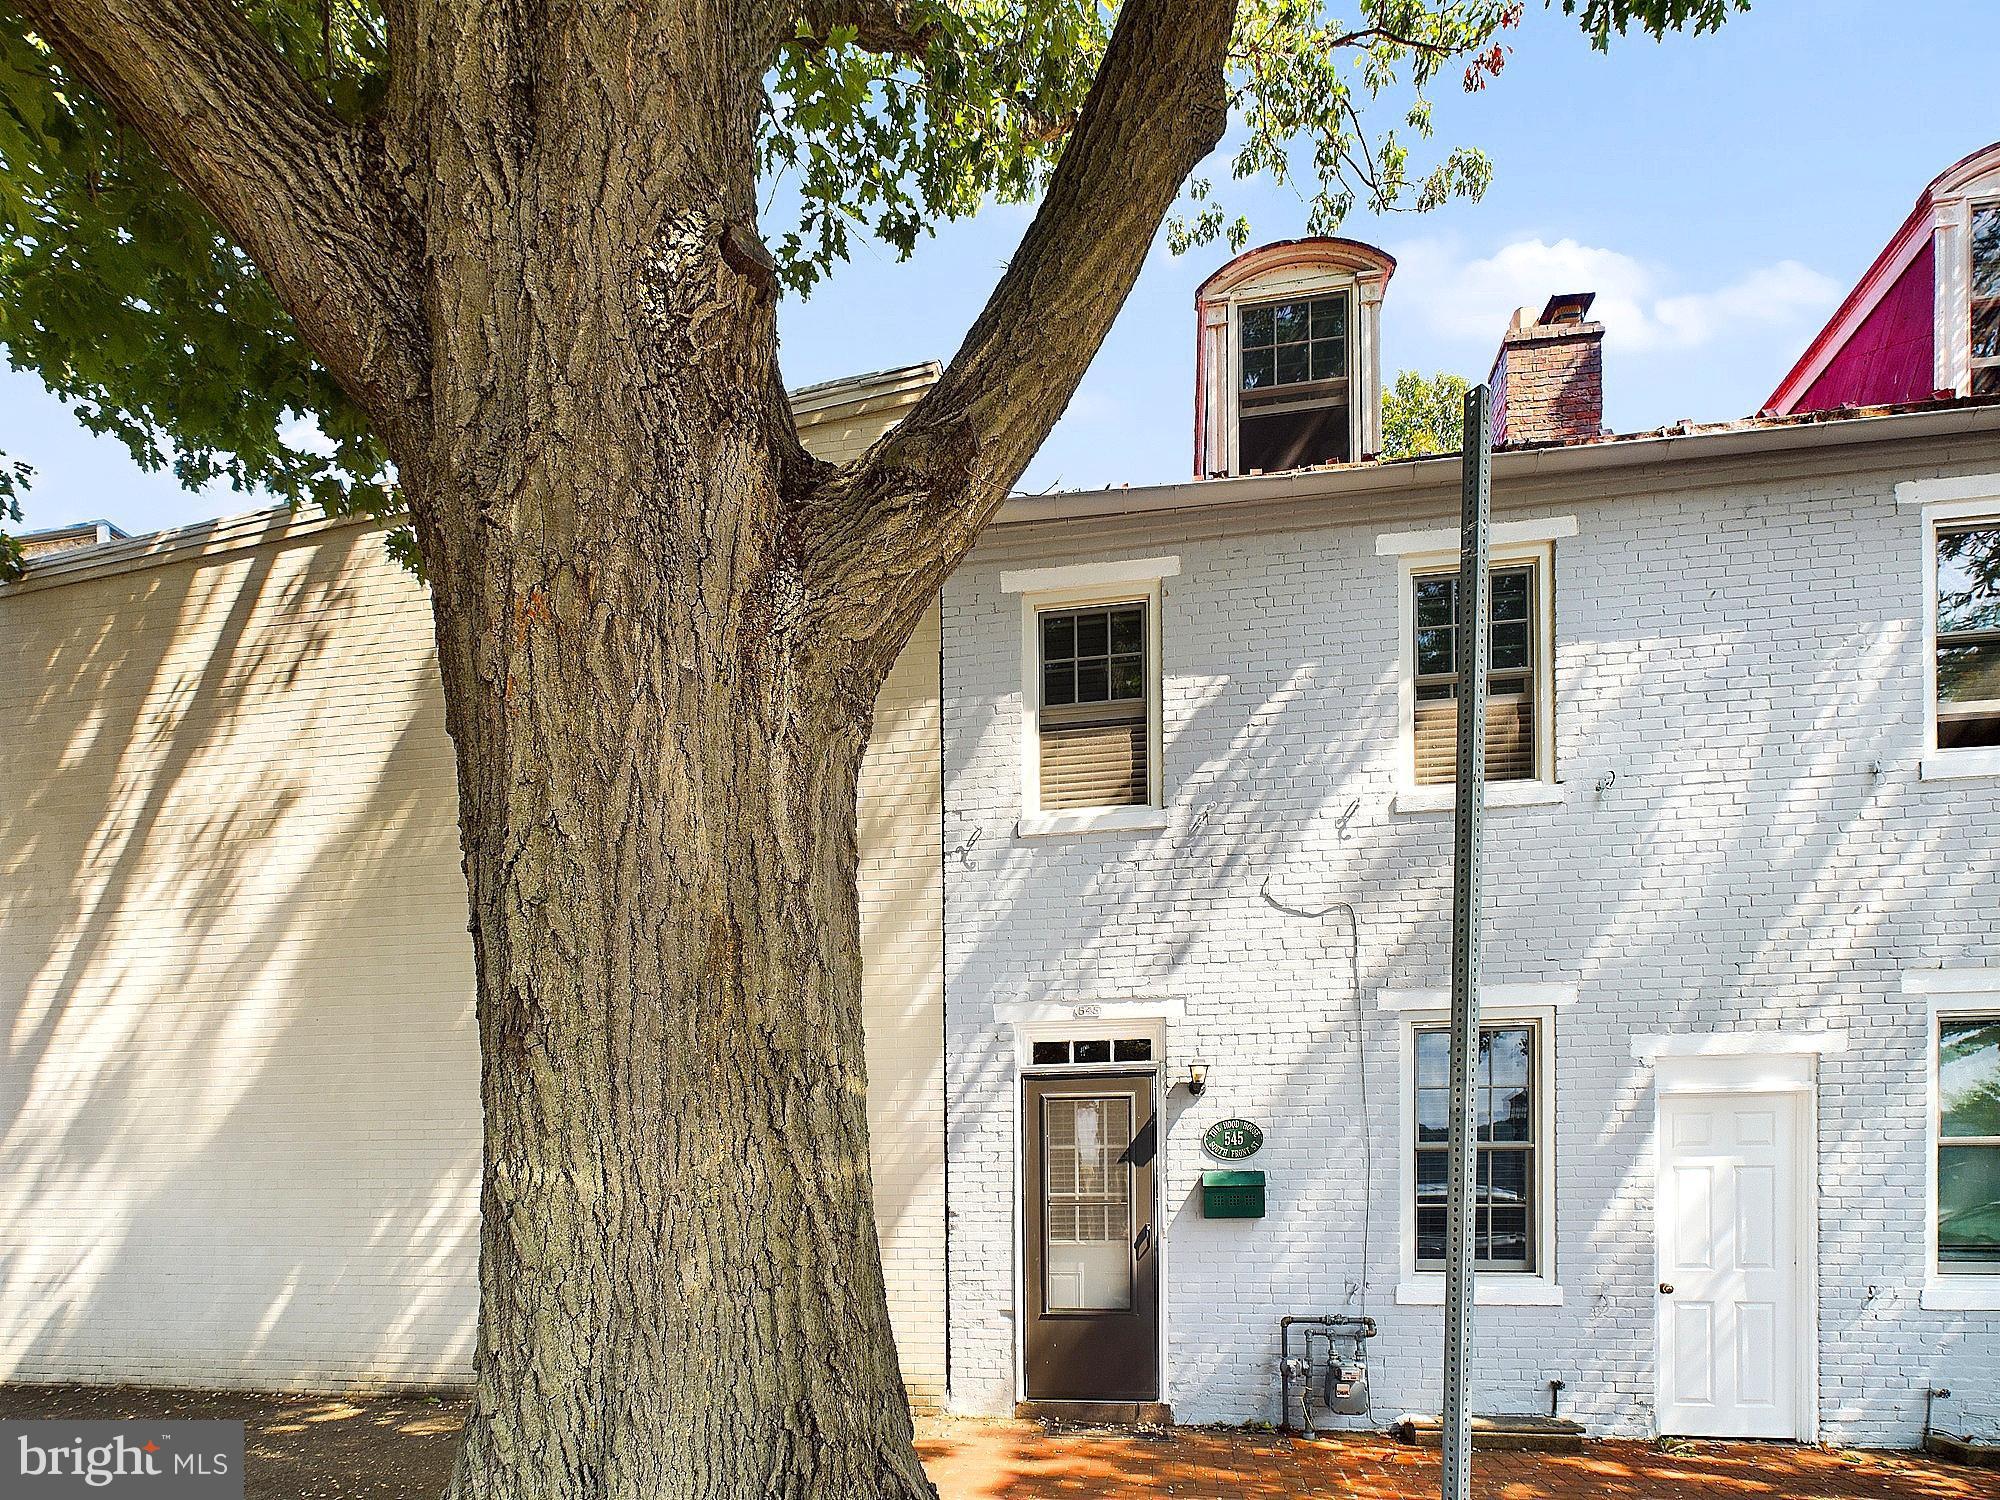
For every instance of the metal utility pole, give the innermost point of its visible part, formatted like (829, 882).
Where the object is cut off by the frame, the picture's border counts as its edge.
(1467, 816)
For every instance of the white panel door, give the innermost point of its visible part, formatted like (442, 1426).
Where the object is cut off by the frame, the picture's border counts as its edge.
(1731, 1293)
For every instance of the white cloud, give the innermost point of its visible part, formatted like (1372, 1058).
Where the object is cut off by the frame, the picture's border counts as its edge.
(1471, 298)
(303, 434)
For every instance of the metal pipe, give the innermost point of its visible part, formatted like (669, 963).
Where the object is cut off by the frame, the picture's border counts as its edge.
(1932, 1393)
(1468, 810)
(1334, 1323)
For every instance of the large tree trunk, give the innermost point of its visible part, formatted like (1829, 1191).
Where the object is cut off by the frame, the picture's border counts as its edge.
(681, 1291)
(680, 1285)
(658, 752)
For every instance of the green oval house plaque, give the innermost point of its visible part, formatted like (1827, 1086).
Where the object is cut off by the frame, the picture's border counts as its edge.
(1232, 1140)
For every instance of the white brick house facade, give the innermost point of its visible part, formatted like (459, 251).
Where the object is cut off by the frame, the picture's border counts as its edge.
(1740, 844)
(241, 1132)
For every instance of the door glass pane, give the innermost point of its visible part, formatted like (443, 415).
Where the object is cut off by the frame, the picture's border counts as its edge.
(1087, 1204)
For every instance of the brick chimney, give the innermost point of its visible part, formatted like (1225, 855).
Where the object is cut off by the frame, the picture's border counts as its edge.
(39, 545)
(1548, 379)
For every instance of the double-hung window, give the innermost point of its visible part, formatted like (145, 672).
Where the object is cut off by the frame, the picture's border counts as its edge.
(1293, 392)
(1514, 677)
(1967, 603)
(1985, 290)
(1520, 663)
(1968, 1143)
(1090, 695)
(1513, 1228)
(1506, 1108)
(1094, 749)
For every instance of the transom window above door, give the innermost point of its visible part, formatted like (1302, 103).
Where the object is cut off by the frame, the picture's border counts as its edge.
(1084, 1052)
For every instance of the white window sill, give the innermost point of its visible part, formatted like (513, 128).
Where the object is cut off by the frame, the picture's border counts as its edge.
(1950, 765)
(1044, 825)
(1489, 1290)
(1440, 799)
(1961, 1294)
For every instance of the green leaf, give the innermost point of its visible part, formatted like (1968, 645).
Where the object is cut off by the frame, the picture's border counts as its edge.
(119, 291)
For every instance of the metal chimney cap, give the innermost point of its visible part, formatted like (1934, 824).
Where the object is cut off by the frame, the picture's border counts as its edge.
(1567, 307)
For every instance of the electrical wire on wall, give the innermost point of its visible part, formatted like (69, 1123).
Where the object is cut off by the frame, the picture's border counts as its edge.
(1320, 914)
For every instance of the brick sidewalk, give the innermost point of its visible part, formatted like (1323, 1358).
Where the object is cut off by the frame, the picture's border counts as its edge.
(1019, 1461)
(400, 1448)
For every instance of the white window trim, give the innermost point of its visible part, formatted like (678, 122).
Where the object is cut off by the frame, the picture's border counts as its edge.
(1501, 998)
(1942, 501)
(1749, 1044)
(1498, 1004)
(1136, 580)
(1445, 540)
(1420, 552)
(1949, 993)
(1952, 228)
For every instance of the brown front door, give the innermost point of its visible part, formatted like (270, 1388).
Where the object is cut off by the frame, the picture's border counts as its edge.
(1092, 1253)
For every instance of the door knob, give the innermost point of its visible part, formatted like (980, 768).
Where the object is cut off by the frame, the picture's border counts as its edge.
(1666, 1289)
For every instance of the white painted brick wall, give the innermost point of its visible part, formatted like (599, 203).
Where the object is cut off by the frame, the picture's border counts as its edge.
(1744, 659)
(239, 1096)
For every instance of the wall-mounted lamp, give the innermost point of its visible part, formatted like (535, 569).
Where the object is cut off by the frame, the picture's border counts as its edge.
(1197, 1079)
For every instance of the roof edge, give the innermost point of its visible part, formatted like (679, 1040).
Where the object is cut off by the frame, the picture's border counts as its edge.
(1720, 442)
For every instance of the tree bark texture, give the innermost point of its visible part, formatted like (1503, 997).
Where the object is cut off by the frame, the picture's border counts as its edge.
(662, 627)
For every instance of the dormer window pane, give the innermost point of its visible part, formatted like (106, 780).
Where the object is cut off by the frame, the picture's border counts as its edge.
(1986, 250)
(1985, 331)
(1329, 338)
(1292, 343)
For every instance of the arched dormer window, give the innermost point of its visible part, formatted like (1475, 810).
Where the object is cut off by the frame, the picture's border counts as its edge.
(1288, 368)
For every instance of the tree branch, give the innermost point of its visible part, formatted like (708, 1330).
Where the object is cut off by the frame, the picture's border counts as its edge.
(884, 26)
(309, 198)
(881, 534)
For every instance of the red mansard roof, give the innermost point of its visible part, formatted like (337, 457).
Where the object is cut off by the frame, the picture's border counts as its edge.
(1879, 345)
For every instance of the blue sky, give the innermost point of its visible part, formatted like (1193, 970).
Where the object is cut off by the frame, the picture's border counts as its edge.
(1718, 193)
